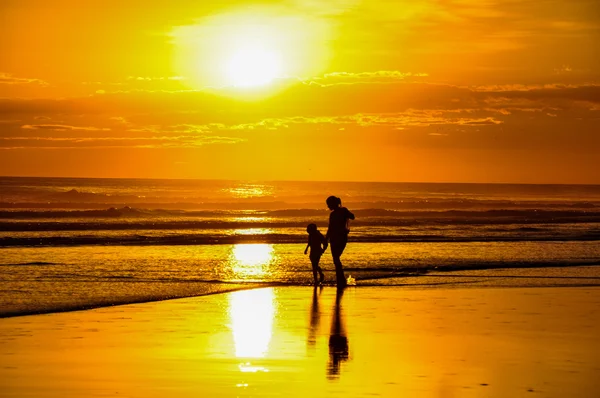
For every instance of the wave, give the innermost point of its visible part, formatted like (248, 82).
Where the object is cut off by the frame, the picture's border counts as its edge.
(104, 213)
(280, 216)
(274, 238)
(287, 205)
(398, 271)
(31, 263)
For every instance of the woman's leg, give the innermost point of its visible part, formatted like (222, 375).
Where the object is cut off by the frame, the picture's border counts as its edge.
(337, 248)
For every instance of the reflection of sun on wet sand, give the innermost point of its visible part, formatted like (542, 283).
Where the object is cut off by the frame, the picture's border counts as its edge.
(404, 342)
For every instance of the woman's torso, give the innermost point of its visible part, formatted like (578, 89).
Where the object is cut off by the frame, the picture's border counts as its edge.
(338, 223)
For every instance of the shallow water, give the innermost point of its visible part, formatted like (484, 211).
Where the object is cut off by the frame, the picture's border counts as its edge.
(59, 278)
(68, 243)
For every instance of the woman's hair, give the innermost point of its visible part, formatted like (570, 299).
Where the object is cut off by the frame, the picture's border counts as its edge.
(311, 228)
(333, 202)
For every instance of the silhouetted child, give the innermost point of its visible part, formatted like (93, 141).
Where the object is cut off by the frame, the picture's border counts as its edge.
(316, 242)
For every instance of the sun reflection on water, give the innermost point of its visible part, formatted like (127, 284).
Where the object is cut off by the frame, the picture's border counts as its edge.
(251, 313)
(251, 259)
(253, 231)
(246, 191)
(254, 219)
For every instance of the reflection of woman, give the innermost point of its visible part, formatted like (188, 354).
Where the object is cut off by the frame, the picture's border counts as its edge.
(338, 339)
(337, 235)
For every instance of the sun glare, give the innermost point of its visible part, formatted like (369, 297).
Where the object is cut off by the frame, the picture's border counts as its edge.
(250, 48)
(251, 260)
(252, 255)
(253, 66)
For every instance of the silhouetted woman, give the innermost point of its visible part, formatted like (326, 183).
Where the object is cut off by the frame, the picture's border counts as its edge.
(338, 339)
(337, 235)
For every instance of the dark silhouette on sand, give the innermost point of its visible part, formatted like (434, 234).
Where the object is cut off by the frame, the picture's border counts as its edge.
(315, 317)
(338, 339)
(317, 243)
(337, 235)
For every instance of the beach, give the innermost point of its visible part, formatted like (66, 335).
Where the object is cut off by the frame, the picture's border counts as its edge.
(300, 341)
(176, 177)
(191, 288)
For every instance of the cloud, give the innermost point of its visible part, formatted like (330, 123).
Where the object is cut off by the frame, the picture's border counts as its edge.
(176, 84)
(303, 100)
(382, 76)
(410, 118)
(61, 127)
(564, 69)
(509, 115)
(6, 78)
(181, 141)
(587, 92)
(154, 78)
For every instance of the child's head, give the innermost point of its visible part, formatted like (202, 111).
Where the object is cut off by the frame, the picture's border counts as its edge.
(333, 202)
(311, 228)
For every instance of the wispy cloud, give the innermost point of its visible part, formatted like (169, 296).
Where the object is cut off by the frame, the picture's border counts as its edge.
(155, 78)
(114, 142)
(410, 118)
(410, 112)
(6, 78)
(205, 107)
(62, 127)
(383, 76)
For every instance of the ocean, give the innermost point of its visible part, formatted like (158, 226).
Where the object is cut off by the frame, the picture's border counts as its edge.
(73, 243)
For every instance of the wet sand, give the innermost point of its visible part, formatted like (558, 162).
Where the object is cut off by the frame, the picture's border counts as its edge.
(296, 341)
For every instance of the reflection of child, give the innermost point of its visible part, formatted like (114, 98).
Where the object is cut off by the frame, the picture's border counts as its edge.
(316, 242)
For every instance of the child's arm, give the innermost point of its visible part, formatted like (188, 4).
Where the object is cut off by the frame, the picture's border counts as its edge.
(307, 245)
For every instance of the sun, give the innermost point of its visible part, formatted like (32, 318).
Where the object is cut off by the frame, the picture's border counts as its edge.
(253, 66)
(262, 47)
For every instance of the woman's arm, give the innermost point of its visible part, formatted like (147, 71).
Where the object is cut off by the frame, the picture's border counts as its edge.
(349, 214)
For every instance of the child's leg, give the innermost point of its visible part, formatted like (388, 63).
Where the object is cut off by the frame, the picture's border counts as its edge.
(320, 270)
(315, 268)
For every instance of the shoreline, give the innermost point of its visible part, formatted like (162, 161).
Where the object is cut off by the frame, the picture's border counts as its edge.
(459, 279)
(75, 308)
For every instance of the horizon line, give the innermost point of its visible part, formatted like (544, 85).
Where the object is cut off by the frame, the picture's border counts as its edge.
(322, 181)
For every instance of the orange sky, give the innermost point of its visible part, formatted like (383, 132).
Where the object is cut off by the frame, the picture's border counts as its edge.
(464, 90)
